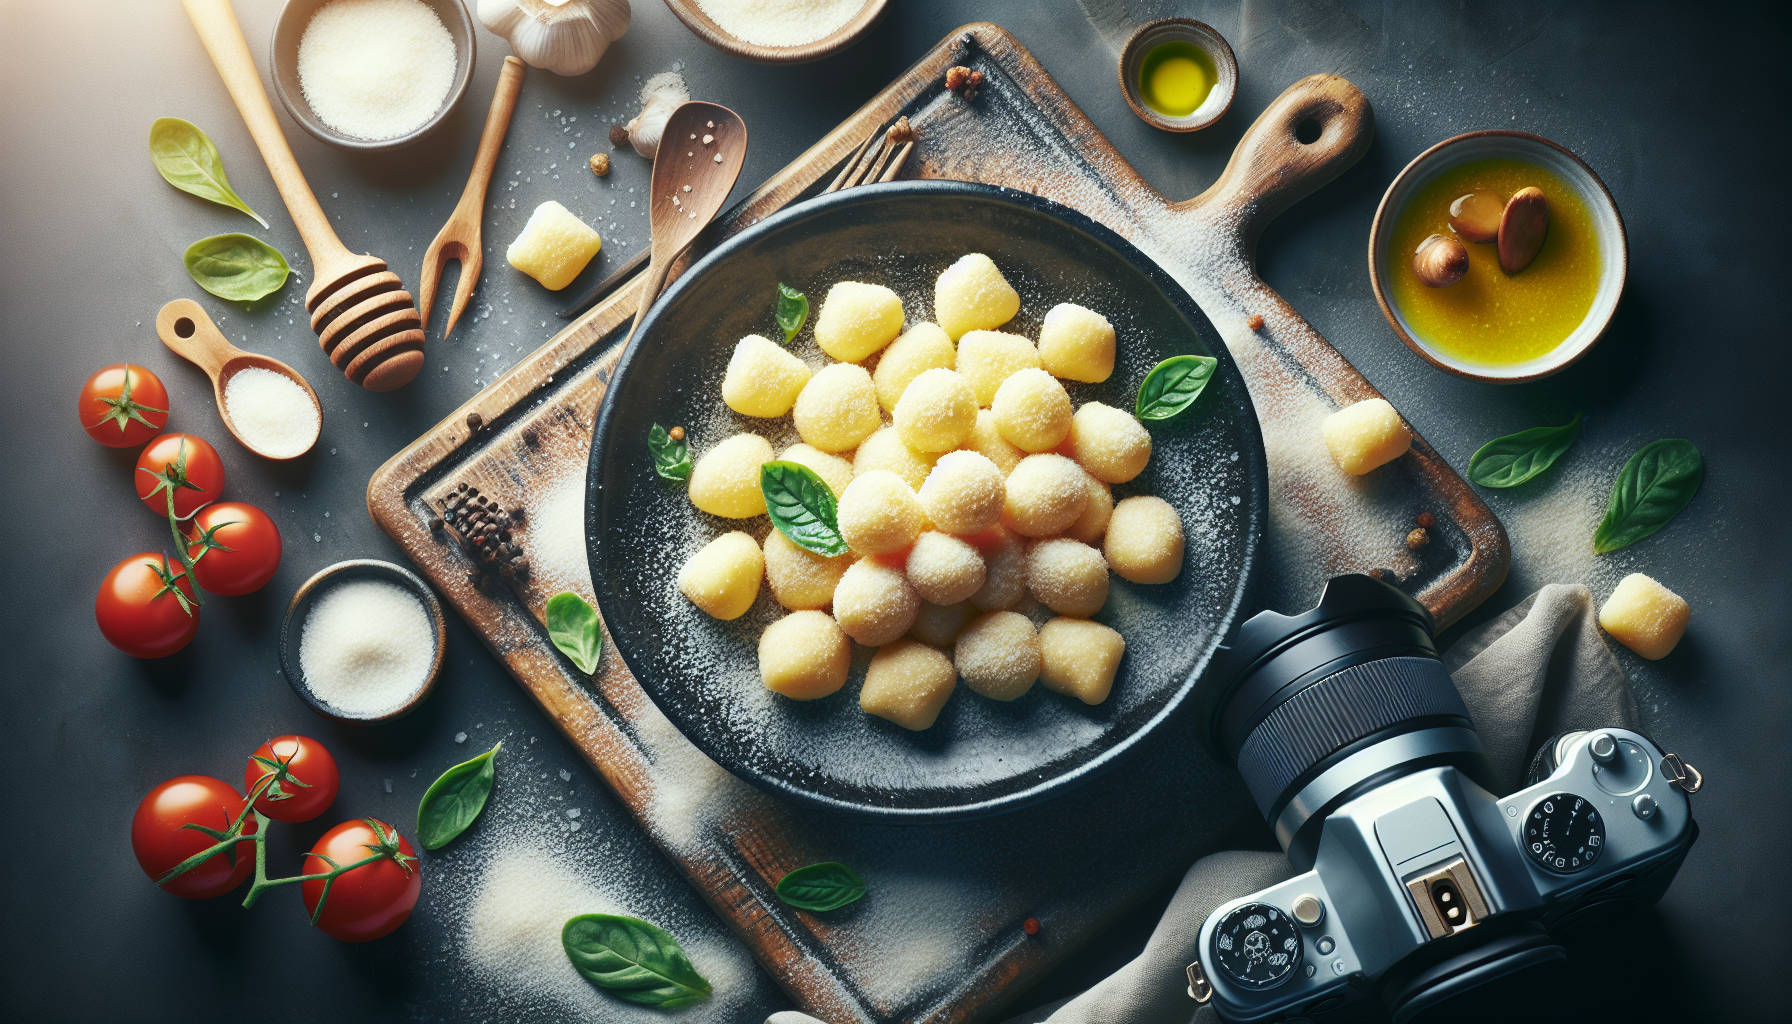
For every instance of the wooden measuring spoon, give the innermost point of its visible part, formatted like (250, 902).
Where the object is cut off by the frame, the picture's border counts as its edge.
(691, 181)
(459, 238)
(367, 324)
(183, 326)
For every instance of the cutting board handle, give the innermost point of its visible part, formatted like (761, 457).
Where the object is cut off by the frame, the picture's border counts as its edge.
(1308, 136)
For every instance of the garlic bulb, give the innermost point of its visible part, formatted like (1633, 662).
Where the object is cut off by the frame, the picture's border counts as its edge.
(567, 37)
(660, 96)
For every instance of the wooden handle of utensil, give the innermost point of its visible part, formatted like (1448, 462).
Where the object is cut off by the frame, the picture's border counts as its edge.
(1272, 167)
(497, 122)
(223, 38)
(184, 327)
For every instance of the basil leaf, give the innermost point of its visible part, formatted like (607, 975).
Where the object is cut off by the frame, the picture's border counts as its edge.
(188, 161)
(1173, 385)
(671, 459)
(802, 507)
(1511, 460)
(819, 887)
(455, 799)
(1651, 489)
(573, 627)
(238, 267)
(633, 959)
(793, 309)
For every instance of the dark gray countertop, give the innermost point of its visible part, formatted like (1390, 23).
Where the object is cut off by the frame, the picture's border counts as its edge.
(1671, 107)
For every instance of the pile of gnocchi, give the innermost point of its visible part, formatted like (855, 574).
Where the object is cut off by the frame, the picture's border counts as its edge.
(984, 492)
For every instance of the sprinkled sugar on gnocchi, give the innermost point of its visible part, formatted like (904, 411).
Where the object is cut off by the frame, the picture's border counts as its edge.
(1077, 344)
(972, 295)
(857, 319)
(921, 348)
(837, 408)
(725, 480)
(936, 412)
(987, 358)
(763, 379)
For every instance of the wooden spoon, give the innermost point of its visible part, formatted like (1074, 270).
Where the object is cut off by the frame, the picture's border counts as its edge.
(183, 326)
(367, 324)
(691, 181)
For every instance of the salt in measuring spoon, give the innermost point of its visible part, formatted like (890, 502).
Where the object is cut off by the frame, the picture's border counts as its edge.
(184, 327)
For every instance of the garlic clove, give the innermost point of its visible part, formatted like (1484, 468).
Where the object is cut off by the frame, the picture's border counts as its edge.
(660, 96)
(1440, 261)
(1522, 229)
(567, 37)
(1476, 217)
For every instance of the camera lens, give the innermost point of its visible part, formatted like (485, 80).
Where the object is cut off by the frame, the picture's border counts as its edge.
(1319, 707)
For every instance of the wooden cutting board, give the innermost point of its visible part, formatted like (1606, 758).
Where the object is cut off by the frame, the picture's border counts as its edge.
(940, 937)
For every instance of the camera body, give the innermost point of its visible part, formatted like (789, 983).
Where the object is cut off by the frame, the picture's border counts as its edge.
(1417, 883)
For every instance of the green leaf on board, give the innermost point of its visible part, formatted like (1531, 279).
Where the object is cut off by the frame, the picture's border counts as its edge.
(573, 627)
(1173, 385)
(1650, 490)
(238, 267)
(455, 800)
(187, 159)
(1511, 460)
(634, 960)
(821, 887)
(793, 309)
(671, 459)
(802, 507)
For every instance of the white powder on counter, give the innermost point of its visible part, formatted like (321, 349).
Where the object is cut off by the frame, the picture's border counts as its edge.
(271, 413)
(366, 647)
(556, 533)
(780, 22)
(376, 69)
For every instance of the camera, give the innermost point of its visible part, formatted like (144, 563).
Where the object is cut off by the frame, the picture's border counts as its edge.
(1417, 885)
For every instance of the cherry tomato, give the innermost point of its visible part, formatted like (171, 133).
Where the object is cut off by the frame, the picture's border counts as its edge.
(372, 900)
(245, 548)
(137, 608)
(123, 406)
(307, 764)
(193, 466)
(160, 842)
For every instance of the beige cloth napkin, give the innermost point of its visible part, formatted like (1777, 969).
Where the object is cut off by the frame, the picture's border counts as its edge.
(1537, 670)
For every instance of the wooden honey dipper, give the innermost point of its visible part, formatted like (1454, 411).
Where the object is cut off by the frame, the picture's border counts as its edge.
(366, 322)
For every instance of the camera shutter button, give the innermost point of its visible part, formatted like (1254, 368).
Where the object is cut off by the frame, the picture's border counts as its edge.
(1644, 806)
(1603, 748)
(1308, 910)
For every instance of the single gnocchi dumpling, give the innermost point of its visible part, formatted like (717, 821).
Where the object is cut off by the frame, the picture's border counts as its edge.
(879, 514)
(1365, 435)
(885, 450)
(837, 408)
(834, 471)
(987, 358)
(940, 624)
(963, 494)
(1079, 658)
(1032, 410)
(998, 655)
(1110, 444)
(800, 579)
(874, 603)
(722, 578)
(725, 480)
(1044, 495)
(936, 412)
(1077, 344)
(972, 295)
(1004, 570)
(908, 683)
(1067, 576)
(554, 246)
(1092, 525)
(1144, 542)
(921, 348)
(763, 379)
(944, 569)
(1645, 616)
(803, 656)
(986, 440)
(857, 319)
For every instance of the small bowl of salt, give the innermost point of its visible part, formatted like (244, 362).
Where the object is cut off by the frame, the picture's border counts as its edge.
(372, 74)
(362, 641)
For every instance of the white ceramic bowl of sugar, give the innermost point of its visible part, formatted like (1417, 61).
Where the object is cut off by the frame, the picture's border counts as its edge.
(360, 618)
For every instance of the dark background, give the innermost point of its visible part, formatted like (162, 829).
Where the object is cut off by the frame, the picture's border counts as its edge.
(1676, 107)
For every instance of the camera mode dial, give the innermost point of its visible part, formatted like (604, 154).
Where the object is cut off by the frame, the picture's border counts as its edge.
(1258, 946)
(1563, 833)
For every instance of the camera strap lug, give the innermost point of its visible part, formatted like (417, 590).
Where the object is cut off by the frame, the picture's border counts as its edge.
(1199, 988)
(1682, 775)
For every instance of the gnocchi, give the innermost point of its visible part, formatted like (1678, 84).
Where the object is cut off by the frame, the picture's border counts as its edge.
(908, 683)
(945, 569)
(1079, 658)
(1092, 525)
(554, 246)
(921, 348)
(998, 655)
(972, 295)
(800, 579)
(987, 358)
(875, 604)
(837, 408)
(1366, 435)
(986, 440)
(857, 319)
(1109, 444)
(1045, 494)
(763, 379)
(1645, 616)
(722, 578)
(1144, 541)
(879, 514)
(834, 471)
(963, 493)
(940, 624)
(804, 656)
(725, 480)
(936, 412)
(1004, 570)
(1067, 576)
(885, 450)
(1077, 344)
(1032, 410)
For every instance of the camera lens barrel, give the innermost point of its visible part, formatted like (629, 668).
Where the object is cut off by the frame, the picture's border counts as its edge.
(1318, 707)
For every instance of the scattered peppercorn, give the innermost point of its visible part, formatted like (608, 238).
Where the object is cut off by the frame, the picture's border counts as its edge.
(618, 135)
(483, 528)
(475, 421)
(1427, 520)
(1031, 927)
(676, 433)
(1418, 539)
(600, 164)
(1256, 321)
(530, 437)
(517, 513)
